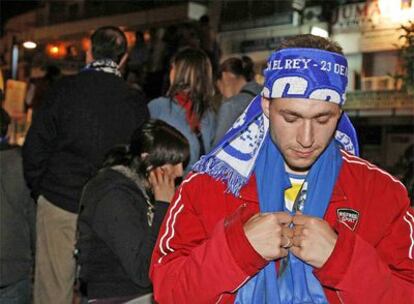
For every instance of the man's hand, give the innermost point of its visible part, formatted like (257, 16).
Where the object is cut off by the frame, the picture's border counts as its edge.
(269, 234)
(313, 240)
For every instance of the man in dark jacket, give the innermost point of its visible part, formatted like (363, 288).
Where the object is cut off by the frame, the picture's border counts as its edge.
(17, 223)
(81, 118)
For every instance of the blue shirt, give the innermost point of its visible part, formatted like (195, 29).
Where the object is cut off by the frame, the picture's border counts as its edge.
(172, 113)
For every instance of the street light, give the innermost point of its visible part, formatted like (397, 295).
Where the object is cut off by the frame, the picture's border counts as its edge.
(29, 45)
(15, 54)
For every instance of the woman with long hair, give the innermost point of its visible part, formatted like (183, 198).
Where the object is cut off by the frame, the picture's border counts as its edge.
(238, 87)
(122, 208)
(187, 106)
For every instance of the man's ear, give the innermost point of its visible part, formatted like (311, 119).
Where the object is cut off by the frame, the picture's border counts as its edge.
(265, 106)
(89, 56)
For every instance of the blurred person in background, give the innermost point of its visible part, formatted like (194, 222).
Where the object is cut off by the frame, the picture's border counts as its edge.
(137, 66)
(135, 79)
(156, 68)
(38, 87)
(187, 106)
(122, 208)
(140, 53)
(237, 85)
(208, 42)
(176, 38)
(17, 224)
(80, 119)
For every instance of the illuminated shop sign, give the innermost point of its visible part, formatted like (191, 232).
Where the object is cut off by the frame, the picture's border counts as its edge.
(378, 13)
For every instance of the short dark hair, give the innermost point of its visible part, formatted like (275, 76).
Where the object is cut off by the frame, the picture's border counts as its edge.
(108, 42)
(163, 143)
(310, 41)
(238, 66)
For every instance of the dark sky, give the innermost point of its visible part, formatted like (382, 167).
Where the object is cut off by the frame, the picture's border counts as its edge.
(10, 8)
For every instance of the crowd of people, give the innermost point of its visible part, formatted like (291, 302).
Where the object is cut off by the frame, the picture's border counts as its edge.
(115, 198)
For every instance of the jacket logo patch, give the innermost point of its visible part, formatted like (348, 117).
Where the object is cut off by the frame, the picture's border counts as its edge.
(348, 217)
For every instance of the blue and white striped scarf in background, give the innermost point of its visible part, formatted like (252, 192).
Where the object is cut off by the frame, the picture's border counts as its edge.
(103, 65)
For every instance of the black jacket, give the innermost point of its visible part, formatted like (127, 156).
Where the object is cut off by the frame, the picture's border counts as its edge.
(115, 241)
(82, 117)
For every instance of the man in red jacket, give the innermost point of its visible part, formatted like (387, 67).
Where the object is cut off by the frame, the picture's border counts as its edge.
(278, 213)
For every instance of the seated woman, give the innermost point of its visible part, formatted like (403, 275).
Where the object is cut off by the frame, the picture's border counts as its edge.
(122, 208)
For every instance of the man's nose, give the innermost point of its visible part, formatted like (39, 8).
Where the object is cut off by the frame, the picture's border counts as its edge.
(305, 135)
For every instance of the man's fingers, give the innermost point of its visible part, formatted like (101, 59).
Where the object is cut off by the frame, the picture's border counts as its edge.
(286, 242)
(297, 230)
(288, 232)
(283, 252)
(252, 221)
(295, 250)
(254, 216)
(300, 219)
(297, 241)
(284, 217)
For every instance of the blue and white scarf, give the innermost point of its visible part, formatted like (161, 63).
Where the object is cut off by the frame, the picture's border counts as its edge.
(297, 284)
(103, 65)
(247, 148)
(233, 159)
(296, 73)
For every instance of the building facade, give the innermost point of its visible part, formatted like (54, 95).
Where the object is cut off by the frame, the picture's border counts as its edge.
(368, 31)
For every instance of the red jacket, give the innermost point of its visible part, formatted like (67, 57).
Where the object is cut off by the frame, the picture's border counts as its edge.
(203, 256)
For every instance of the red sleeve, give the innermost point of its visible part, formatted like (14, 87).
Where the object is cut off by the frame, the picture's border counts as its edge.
(243, 252)
(362, 272)
(190, 264)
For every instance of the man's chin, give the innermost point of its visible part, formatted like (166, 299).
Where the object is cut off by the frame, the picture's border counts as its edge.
(299, 167)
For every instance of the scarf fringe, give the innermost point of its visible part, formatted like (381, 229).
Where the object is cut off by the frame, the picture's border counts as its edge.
(220, 170)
